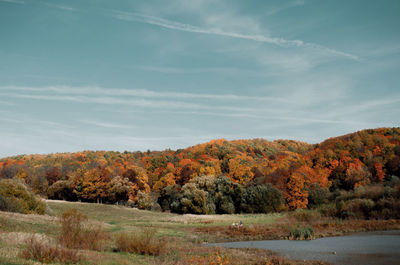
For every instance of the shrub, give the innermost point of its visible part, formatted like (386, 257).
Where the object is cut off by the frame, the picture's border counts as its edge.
(387, 209)
(78, 233)
(359, 208)
(328, 210)
(144, 200)
(228, 195)
(142, 242)
(373, 192)
(45, 253)
(61, 190)
(17, 198)
(393, 181)
(301, 233)
(302, 215)
(3, 203)
(205, 185)
(341, 209)
(194, 200)
(119, 189)
(169, 198)
(317, 196)
(261, 199)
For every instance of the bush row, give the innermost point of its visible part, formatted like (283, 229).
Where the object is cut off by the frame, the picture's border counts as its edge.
(366, 202)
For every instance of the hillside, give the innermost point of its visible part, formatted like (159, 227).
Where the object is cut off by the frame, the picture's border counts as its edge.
(295, 169)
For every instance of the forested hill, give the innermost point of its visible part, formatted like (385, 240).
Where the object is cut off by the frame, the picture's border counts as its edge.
(294, 168)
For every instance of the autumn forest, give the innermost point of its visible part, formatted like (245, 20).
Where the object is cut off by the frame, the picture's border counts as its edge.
(337, 175)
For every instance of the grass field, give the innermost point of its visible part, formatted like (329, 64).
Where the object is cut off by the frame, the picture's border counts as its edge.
(184, 235)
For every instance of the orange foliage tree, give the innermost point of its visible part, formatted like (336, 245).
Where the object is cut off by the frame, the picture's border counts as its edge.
(357, 174)
(296, 193)
(239, 172)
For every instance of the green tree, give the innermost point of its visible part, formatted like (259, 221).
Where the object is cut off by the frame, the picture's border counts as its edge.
(261, 199)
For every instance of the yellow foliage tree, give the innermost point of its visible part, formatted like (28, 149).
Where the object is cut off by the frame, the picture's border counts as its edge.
(167, 180)
(94, 187)
(139, 179)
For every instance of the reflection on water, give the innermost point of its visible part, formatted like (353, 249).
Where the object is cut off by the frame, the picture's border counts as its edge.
(364, 248)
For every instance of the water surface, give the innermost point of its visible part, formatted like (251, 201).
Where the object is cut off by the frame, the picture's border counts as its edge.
(381, 247)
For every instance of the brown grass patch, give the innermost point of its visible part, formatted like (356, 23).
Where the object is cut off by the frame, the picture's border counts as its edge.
(222, 256)
(45, 253)
(28, 218)
(76, 232)
(322, 226)
(249, 232)
(143, 242)
(14, 238)
(336, 228)
(206, 222)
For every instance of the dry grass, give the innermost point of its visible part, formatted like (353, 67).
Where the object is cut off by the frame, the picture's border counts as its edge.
(247, 232)
(322, 227)
(184, 234)
(222, 256)
(15, 238)
(143, 242)
(36, 218)
(77, 233)
(46, 253)
(335, 228)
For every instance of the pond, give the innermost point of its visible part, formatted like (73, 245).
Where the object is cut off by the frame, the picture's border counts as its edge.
(381, 247)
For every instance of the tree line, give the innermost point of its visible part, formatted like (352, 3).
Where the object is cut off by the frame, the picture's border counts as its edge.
(220, 176)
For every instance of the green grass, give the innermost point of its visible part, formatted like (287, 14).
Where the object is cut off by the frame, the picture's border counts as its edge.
(167, 223)
(116, 219)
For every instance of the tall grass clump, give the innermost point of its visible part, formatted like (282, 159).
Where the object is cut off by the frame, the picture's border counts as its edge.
(308, 216)
(77, 232)
(301, 233)
(142, 242)
(43, 252)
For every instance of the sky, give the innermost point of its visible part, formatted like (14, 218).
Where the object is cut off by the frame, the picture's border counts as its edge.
(143, 74)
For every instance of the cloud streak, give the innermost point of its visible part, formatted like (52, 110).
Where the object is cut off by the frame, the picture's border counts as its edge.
(107, 124)
(13, 1)
(169, 24)
(122, 101)
(63, 7)
(2, 102)
(92, 90)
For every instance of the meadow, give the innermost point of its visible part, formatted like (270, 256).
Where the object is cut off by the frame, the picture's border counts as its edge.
(180, 239)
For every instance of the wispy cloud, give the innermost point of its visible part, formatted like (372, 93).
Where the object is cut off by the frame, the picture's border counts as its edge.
(13, 1)
(107, 124)
(293, 118)
(286, 5)
(2, 102)
(58, 6)
(67, 8)
(161, 22)
(177, 70)
(129, 102)
(144, 93)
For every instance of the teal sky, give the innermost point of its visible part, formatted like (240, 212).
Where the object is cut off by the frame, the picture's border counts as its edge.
(137, 75)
